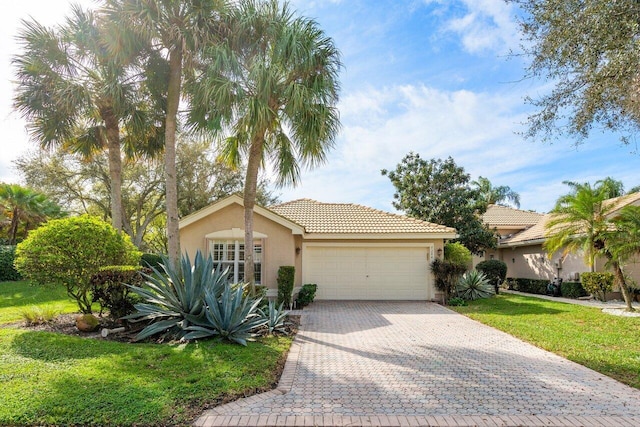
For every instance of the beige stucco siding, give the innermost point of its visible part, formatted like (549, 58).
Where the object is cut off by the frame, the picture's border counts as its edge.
(531, 262)
(279, 245)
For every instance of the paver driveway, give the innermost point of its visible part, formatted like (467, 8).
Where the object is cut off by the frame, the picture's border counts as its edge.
(416, 363)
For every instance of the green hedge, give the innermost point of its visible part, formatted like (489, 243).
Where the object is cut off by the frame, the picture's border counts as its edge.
(8, 271)
(573, 290)
(286, 278)
(151, 261)
(494, 269)
(531, 286)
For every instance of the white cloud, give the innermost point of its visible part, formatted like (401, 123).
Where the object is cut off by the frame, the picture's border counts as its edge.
(484, 25)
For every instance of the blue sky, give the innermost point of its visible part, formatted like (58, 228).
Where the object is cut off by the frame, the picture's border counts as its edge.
(433, 77)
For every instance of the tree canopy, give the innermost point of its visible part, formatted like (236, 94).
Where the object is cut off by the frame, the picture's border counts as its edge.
(495, 195)
(590, 51)
(439, 191)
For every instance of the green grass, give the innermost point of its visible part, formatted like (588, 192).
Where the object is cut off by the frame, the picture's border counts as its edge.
(15, 297)
(605, 343)
(48, 378)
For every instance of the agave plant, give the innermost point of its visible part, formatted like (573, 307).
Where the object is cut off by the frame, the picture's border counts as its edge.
(230, 316)
(175, 298)
(274, 316)
(474, 285)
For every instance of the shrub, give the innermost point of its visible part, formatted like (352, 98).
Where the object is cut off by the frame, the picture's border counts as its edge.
(474, 285)
(457, 302)
(446, 275)
(37, 315)
(286, 278)
(495, 271)
(572, 290)
(69, 251)
(109, 289)
(151, 260)
(174, 297)
(231, 316)
(531, 286)
(306, 295)
(8, 271)
(274, 317)
(597, 284)
(457, 253)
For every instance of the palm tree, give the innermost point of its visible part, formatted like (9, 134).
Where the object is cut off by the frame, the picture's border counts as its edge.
(578, 221)
(75, 95)
(170, 33)
(273, 84)
(495, 195)
(25, 205)
(612, 187)
(622, 244)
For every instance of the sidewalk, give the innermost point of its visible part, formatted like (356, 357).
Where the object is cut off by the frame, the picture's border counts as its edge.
(605, 306)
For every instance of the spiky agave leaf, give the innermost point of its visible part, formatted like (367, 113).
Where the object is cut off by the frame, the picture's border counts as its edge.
(474, 285)
(274, 316)
(175, 298)
(231, 316)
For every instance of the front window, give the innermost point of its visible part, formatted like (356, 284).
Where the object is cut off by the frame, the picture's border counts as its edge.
(230, 254)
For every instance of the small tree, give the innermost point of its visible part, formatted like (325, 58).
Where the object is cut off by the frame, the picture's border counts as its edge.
(495, 271)
(457, 253)
(597, 284)
(69, 251)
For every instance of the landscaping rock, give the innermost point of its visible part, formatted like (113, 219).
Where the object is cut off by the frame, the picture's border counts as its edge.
(87, 322)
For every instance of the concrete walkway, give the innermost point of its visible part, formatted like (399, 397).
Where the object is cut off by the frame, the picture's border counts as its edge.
(585, 302)
(412, 363)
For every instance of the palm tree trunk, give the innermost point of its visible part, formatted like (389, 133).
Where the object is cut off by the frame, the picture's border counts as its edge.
(250, 188)
(617, 271)
(13, 230)
(115, 166)
(173, 101)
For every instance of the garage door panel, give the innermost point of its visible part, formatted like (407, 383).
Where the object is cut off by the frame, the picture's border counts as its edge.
(368, 273)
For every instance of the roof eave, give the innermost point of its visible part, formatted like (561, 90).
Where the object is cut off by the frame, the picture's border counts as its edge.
(522, 243)
(380, 236)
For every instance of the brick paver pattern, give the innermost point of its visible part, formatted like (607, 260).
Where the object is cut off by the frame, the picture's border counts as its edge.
(416, 363)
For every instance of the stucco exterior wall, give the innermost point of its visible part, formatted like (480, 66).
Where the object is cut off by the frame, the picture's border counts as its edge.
(531, 262)
(279, 245)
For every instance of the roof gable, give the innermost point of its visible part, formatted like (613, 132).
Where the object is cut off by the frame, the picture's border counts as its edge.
(497, 215)
(235, 199)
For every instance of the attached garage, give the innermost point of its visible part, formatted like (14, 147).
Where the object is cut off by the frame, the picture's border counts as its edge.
(369, 272)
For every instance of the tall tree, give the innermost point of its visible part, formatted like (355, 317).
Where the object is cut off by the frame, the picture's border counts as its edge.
(22, 204)
(74, 94)
(590, 50)
(578, 220)
(621, 245)
(273, 83)
(582, 221)
(173, 33)
(439, 191)
(491, 195)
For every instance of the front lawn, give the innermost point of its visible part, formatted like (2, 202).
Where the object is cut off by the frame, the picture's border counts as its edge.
(18, 296)
(605, 343)
(49, 378)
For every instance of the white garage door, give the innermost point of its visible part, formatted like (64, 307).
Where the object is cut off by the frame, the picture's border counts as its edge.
(368, 273)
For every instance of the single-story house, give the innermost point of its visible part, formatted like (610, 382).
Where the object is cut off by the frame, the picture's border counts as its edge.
(350, 251)
(522, 234)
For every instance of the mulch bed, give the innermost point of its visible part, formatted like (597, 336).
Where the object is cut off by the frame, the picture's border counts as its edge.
(66, 324)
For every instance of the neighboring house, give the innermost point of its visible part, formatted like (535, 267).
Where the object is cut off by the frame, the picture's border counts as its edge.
(522, 234)
(349, 251)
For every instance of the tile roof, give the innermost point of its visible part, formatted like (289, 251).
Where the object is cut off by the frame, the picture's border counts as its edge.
(339, 218)
(537, 231)
(497, 215)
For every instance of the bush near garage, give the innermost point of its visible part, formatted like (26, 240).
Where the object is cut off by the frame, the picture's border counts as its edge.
(286, 278)
(494, 270)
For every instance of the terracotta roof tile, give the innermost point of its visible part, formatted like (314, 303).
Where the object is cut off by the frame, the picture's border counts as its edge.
(497, 216)
(317, 217)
